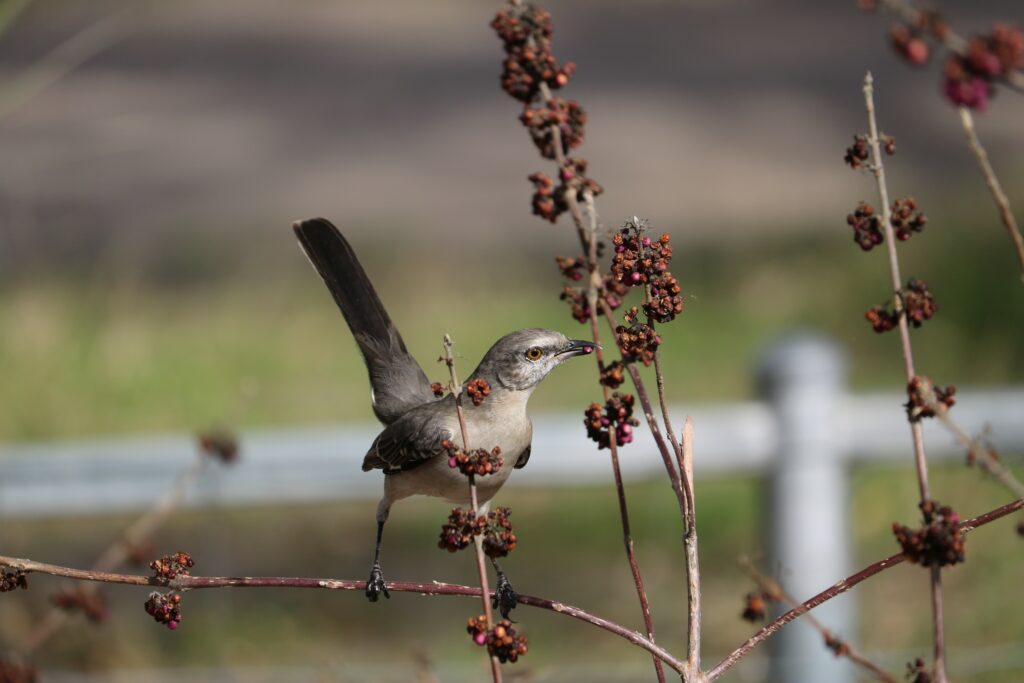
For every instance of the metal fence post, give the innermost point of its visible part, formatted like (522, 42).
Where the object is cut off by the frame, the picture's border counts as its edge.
(804, 378)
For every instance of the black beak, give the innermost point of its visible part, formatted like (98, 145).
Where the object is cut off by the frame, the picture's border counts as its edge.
(577, 347)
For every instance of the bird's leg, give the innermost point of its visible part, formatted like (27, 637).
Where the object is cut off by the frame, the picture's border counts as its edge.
(505, 598)
(375, 586)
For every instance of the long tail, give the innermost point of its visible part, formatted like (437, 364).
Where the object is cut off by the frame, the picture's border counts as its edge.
(396, 379)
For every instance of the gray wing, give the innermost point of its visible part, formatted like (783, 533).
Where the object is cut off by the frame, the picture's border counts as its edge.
(396, 378)
(409, 441)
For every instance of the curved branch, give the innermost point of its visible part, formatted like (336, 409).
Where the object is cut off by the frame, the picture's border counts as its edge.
(186, 583)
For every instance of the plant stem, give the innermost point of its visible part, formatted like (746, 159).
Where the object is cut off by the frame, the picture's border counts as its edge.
(841, 587)
(916, 432)
(1002, 203)
(481, 564)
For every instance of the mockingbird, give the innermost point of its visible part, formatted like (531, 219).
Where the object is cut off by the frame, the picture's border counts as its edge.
(409, 450)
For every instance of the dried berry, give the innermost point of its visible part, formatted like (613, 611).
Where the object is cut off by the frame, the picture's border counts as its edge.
(969, 77)
(924, 397)
(664, 302)
(220, 445)
(755, 608)
(615, 417)
(572, 268)
(165, 609)
(909, 44)
(858, 152)
(543, 201)
(10, 581)
(577, 300)
(938, 543)
(636, 340)
(478, 389)
(637, 257)
(169, 567)
(502, 641)
(499, 538)
(437, 388)
(917, 672)
(838, 646)
(612, 375)
(867, 230)
(565, 116)
(881, 319)
(525, 31)
(89, 601)
(918, 302)
(905, 218)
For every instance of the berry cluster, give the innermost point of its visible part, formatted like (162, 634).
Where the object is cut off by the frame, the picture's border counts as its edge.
(502, 641)
(462, 526)
(616, 415)
(637, 340)
(166, 609)
(220, 445)
(969, 78)
(478, 389)
(918, 305)
(437, 388)
(15, 673)
(638, 258)
(572, 268)
(867, 228)
(479, 462)
(755, 607)
(938, 543)
(499, 539)
(170, 567)
(90, 602)
(905, 218)
(614, 292)
(612, 375)
(664, 302)
(10, 581)
(923, 395)
(917, 672)
(545, 202)
(525, 32)
(858, 152)
(565, 116)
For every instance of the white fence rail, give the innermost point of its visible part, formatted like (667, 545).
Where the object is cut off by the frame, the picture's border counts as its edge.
(802, 436)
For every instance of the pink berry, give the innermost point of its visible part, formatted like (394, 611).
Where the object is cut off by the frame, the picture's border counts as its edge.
(480, 638)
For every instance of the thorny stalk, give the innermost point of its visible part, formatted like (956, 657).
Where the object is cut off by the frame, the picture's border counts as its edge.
(481, 564)
(920, 460)
(841, 648)
(1002, 203)
(841, 587)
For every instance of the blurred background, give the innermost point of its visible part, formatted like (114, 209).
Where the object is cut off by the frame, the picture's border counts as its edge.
(154, 155)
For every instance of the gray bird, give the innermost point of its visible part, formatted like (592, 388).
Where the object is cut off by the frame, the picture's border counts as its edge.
(409, 449)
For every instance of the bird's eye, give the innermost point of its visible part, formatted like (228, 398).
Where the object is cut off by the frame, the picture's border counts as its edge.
(534, 353)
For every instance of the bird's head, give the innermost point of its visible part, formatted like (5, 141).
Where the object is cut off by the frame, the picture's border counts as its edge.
(520, 360)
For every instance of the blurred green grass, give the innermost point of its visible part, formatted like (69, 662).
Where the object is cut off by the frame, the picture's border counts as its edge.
(260, 343)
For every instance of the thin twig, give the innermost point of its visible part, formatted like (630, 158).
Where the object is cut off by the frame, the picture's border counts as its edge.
(841, 648)
(186, 583)
(1002, 203)
(917, 435)
(690, 544)
(132, 537)
(840, 588)
(481, 563)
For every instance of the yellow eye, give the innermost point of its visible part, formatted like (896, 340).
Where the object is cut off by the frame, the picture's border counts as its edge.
(534, 353)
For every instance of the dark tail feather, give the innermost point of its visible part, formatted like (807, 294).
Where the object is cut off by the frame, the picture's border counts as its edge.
(398, 381)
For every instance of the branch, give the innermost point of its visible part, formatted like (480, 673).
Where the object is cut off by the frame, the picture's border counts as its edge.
(481, 564)
(840, 588)
(841, 648)
(917, 434)
(1002, 203)
(186, 583)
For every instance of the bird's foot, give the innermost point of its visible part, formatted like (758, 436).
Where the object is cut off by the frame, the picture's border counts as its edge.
(375, 586)
(505, 599)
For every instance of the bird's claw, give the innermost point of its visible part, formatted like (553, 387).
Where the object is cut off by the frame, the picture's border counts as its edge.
(375, 586)
(505, 598)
